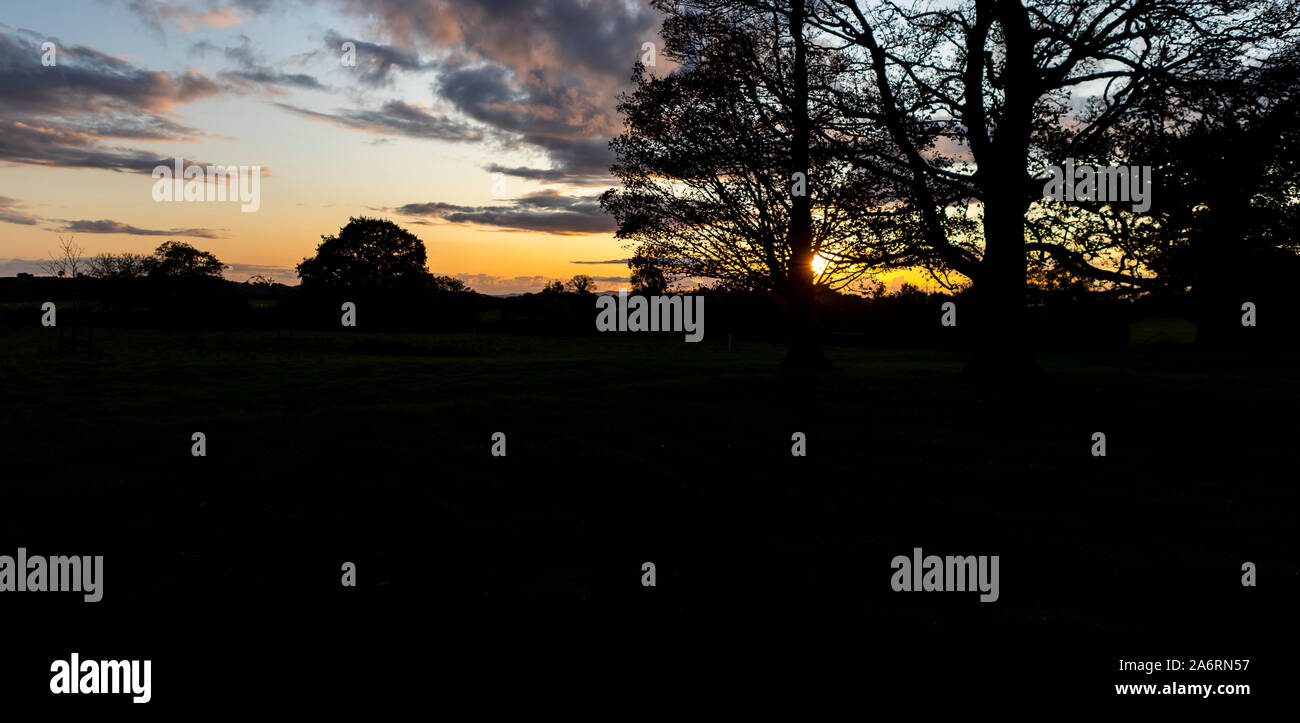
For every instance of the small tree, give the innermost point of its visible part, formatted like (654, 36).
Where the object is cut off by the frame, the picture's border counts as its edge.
(68, 264)
(119, 266)
(581, 284)
(66, 261)
(448, 284)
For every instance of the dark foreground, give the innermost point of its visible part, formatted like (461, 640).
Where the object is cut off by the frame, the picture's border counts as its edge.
(480, 572)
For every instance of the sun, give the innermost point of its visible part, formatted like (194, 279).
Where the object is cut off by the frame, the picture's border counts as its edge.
(819, 264)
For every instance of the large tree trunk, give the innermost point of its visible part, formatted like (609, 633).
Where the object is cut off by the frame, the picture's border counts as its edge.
(1002, 352)
(805, 351)
(1001, 348)
(1222, 261)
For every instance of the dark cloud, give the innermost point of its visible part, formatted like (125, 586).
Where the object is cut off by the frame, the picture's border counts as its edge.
(552, 175)
(68, 114)
(597, 39)
(556, 117)
(106, 226)
(265, 76)
(490, 95)
(544, 212)
(45, 143)
(544, 73)
(12, 211)
(88, 81)
(610, 262)
(396, 118)
(52, 144)
(376, 62)
(553, 199)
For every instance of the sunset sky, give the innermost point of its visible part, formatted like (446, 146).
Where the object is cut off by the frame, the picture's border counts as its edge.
(443, 95)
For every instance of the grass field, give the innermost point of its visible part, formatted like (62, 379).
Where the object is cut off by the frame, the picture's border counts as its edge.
(324, 447)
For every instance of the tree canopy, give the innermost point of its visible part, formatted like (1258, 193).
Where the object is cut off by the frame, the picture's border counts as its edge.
(179, 260)
(367, 253)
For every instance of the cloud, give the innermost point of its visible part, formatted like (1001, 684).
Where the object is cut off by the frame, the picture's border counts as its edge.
(11, 211)
(144, 127)
(503, 285)
(51, 144)
(599, 39)
(251, 69)
(544, 212)
(556, 117)
(185, 16)
(395, 118)
(70, 114)
(267, 77)
(13, 267)
(537, 75)
(552, 175)
(542, 73)
(491, 284)
(610, 262)
(87, 81)
(281, 274)
(107, 226)
(376, 62)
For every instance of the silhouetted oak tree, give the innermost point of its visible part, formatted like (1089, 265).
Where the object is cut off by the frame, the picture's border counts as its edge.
(179, 260)
(367, 253)
(972, 99)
